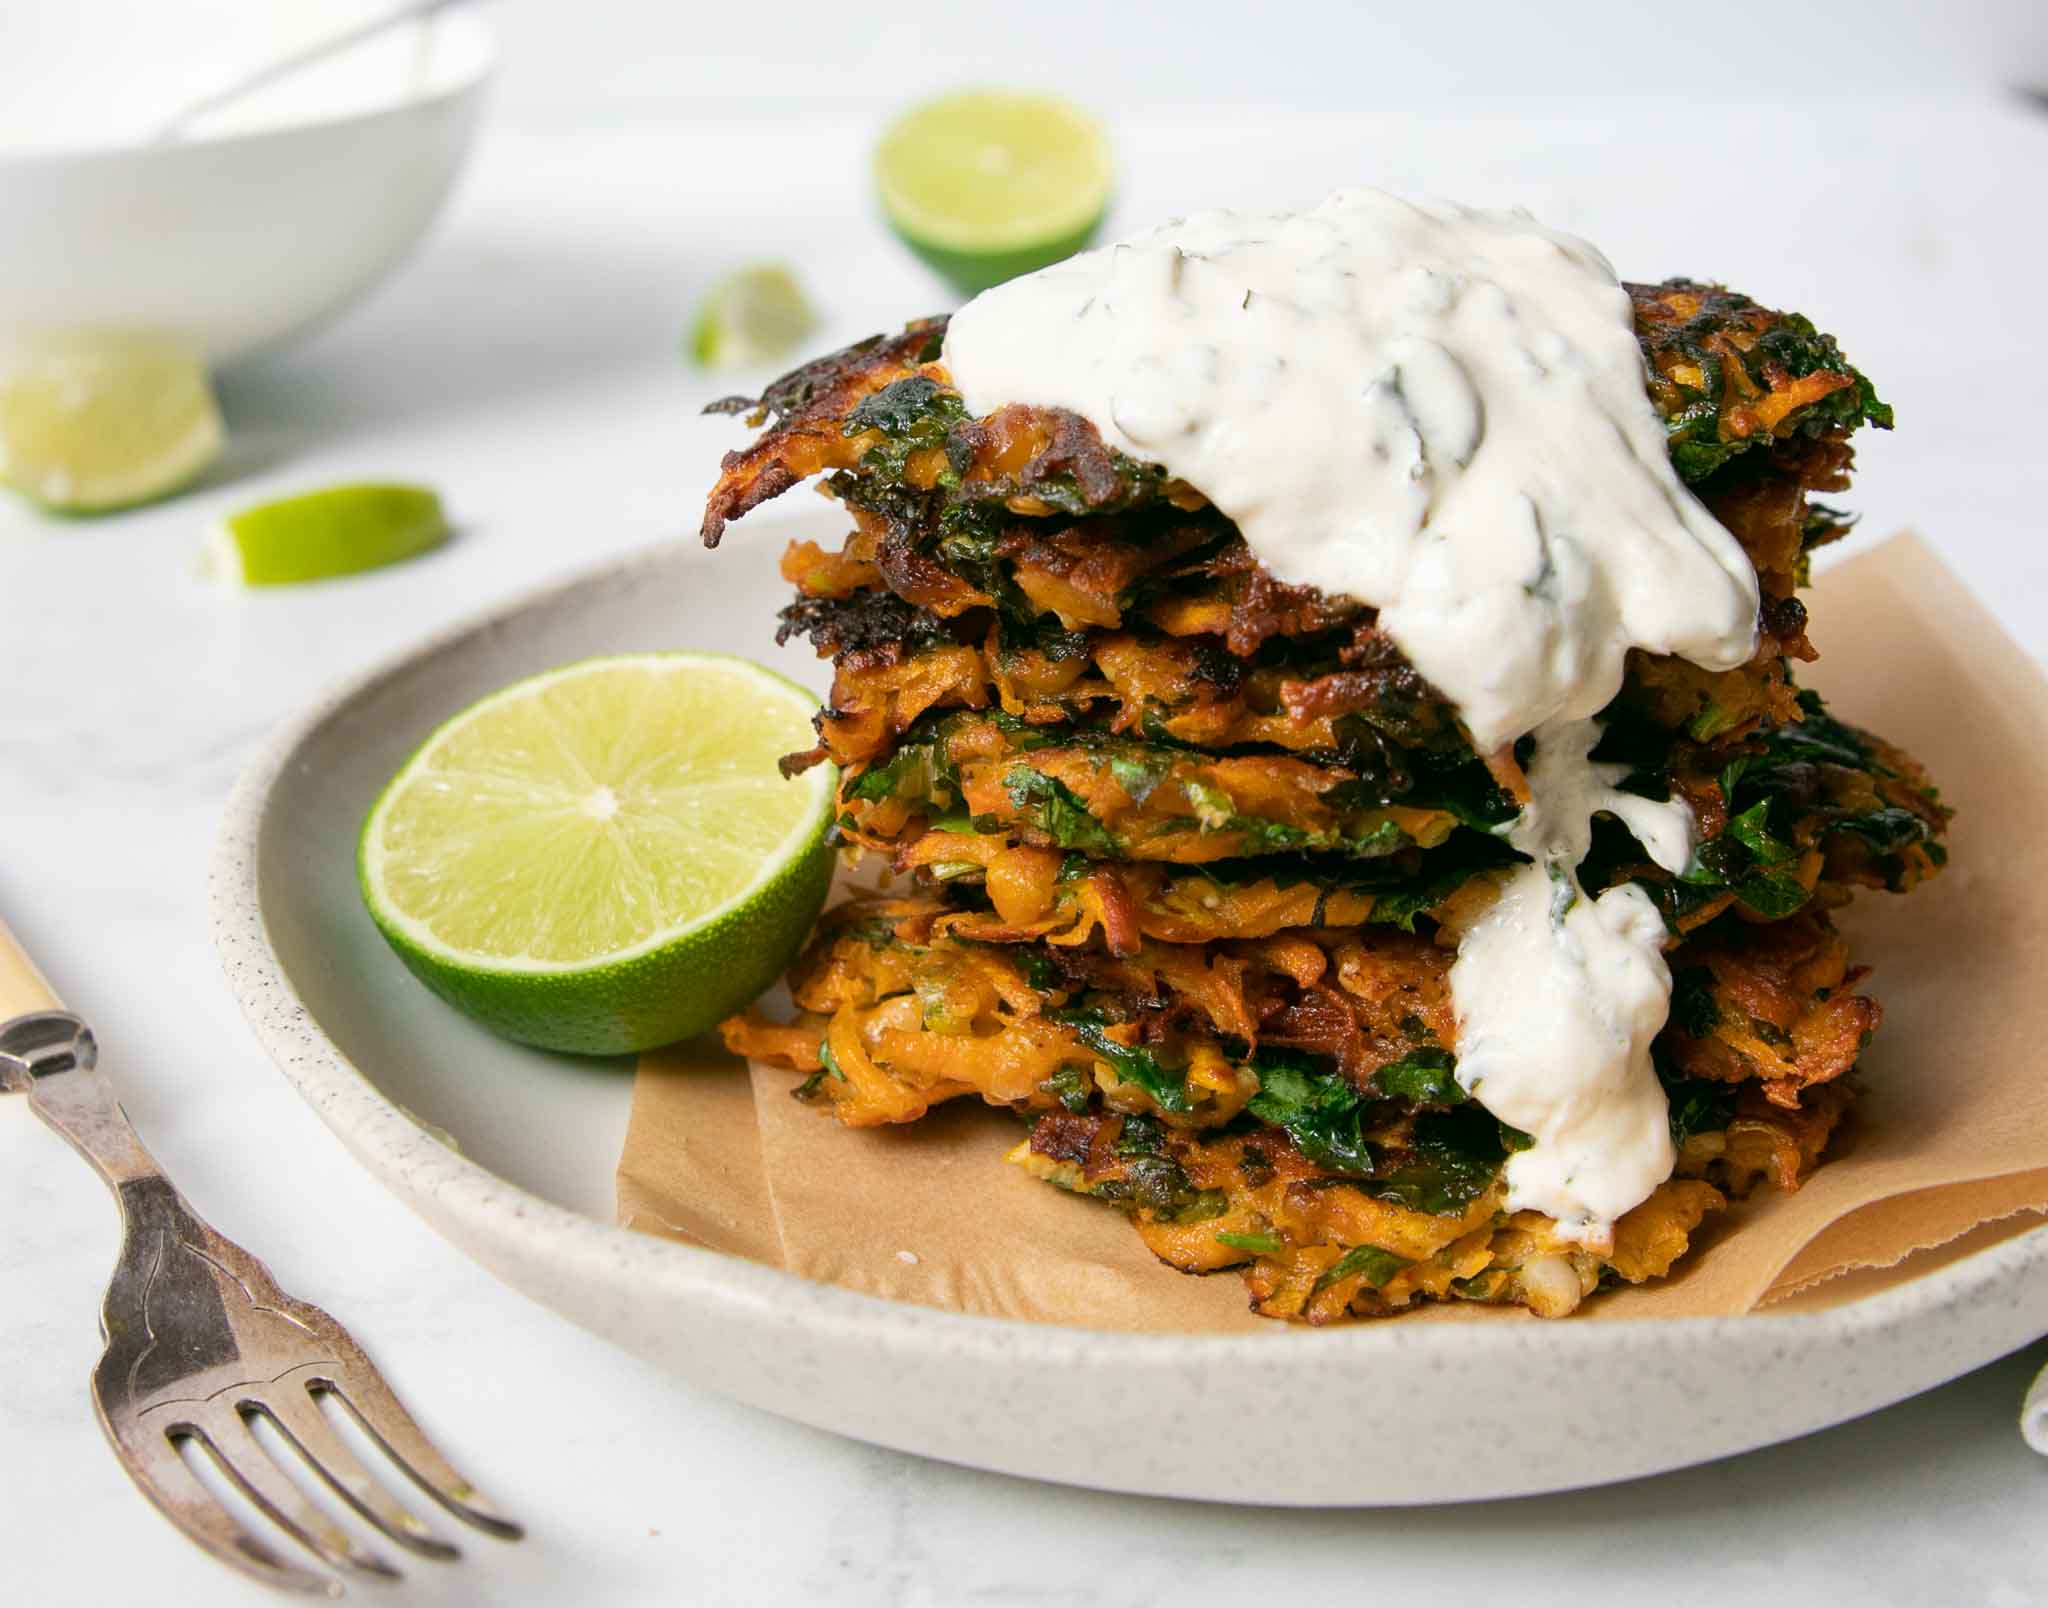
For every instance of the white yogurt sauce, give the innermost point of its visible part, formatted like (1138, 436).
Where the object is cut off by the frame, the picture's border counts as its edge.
(1559, 994)
(1441, 412)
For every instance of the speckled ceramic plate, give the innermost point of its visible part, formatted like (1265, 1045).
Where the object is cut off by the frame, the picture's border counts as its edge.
(510, 1153)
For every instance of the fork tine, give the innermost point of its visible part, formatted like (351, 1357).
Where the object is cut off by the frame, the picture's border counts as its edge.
(257, 1476)
(298, 1418)
(362, 1393)
(177, 1493)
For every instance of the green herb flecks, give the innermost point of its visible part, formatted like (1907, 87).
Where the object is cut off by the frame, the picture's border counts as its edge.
(918, 772)
(1071, 1086)
(1373, 1265)
(913, 415)
(1048, 804)
(1422, 1077)
(1811, 783)
(1453, 1158)
(1322, 1113)
(1693, 1009)
(1697, 1105)
(1132, 1064)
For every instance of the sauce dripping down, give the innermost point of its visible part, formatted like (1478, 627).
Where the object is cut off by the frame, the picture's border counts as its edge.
(1441, 412)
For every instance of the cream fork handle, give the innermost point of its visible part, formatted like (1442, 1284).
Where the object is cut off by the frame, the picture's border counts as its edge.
(23, 989)
(49, 1055)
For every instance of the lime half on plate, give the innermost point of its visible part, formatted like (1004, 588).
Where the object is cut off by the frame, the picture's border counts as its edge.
(989, 184)
(91, 424)
(606, 857)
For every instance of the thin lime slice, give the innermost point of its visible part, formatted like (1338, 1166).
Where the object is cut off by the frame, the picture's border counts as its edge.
(758, 315)
(338, 531)
(605, 857)
(91, 424)
(988, 184)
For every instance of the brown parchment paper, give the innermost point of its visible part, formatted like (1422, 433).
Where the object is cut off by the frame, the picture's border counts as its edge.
(1946, 1151)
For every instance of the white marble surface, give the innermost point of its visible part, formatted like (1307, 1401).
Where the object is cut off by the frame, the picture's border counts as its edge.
(527, 365)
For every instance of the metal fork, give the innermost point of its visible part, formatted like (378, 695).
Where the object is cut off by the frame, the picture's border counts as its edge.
(201, 1344)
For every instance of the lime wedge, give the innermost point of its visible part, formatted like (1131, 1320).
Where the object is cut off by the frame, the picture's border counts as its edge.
(757, 315)
(986, 185)
(605, 857)
(338, 531)
(90, 424)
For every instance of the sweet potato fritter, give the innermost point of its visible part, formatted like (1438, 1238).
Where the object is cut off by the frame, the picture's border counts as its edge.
(1193, 847)
(1269, 1103)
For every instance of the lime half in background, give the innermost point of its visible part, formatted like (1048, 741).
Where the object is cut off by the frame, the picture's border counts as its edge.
(757, 315)
(337, 531)
(988, 184)
(605, 857)
(94, 423)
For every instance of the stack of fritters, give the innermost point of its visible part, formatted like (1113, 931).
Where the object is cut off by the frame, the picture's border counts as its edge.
(1189, 849)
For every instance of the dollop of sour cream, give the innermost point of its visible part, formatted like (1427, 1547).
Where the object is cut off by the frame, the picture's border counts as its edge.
(1441, 412)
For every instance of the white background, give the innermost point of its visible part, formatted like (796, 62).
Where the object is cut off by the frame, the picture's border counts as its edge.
(1865, 163)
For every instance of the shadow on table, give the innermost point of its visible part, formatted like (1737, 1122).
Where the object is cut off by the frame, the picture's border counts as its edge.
(477, 319)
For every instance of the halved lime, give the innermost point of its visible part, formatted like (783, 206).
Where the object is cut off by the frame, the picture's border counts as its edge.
(758, 315)
(988, 184)
(337, 531)
(90, 424)
(605, 857)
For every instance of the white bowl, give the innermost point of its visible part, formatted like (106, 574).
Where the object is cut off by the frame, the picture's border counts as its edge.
(239, 237)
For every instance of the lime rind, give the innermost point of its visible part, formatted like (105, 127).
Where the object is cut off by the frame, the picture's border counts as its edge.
(971, 272)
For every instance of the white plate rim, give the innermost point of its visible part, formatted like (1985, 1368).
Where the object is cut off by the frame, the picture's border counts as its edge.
(473, 1205)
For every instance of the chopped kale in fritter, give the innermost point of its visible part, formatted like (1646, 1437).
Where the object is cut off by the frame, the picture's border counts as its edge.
(863, 623)
(1728, 375)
